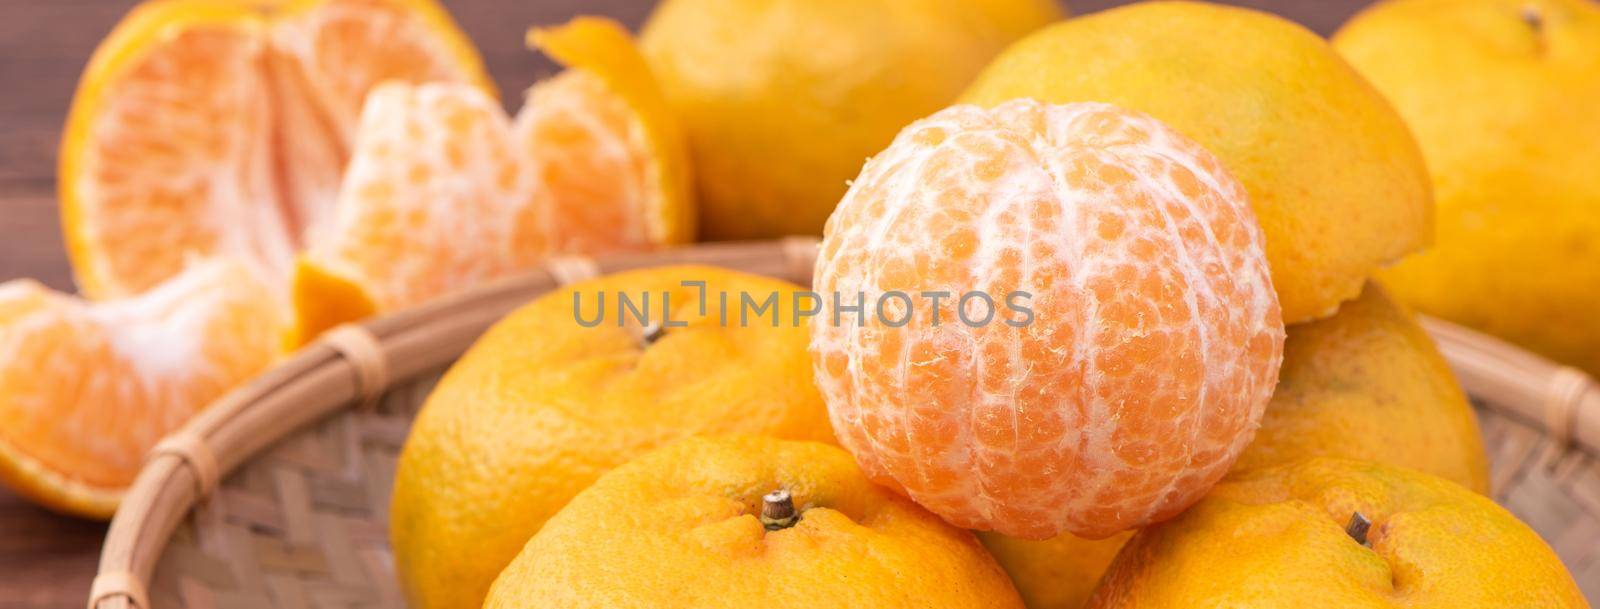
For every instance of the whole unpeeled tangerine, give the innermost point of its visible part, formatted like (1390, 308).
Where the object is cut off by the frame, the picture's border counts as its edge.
(1369, 384)
(1501, 95)
(1277, 538)
(691, 525)
(1155, 334)
(542, 405)
(782, 99)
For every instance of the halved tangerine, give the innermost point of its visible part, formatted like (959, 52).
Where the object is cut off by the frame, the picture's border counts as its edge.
(208, 127)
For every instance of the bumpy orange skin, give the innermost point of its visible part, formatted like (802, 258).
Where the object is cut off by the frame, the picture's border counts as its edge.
(1501, 94)
(1155, 338)
(540, 407)
(1275, 539)
(782, 99)
(1369, 384)
(678, 528)
(1056, 573)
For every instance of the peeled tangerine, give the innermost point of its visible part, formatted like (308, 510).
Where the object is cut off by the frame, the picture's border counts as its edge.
(1111, 394)
(445, 191)
(87, 389)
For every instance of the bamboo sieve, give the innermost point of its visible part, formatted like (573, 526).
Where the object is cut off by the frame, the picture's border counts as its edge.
(277, 495)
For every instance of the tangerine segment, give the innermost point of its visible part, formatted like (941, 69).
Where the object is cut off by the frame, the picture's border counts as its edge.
(87, 389)
(175, 155)
(327, 56)
(606, 121)
(220, 127)
(345, 48)
(444, 192)
(436, 197)
(585, 148)
(1154, 338)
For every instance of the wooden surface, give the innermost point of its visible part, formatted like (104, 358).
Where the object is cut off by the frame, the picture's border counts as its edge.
(48, 560)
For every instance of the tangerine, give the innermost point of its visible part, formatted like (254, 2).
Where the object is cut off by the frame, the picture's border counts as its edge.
(87, 388)
(1369, 384)
(747, 521)
(1501, 95)
(220, 127)
(1289, 536)
(1155, 334)
(541, 406)
(444, 191)
(783, 98)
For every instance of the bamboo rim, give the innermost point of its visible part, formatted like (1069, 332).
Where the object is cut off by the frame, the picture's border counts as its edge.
(352, 366)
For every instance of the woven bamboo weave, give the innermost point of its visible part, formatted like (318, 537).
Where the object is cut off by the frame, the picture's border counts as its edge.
(277, 496)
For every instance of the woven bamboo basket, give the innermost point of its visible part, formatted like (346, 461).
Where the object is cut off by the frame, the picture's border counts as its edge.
(277, 495)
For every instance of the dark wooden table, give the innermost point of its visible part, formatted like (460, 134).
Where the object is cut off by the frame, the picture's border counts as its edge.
(48, 560)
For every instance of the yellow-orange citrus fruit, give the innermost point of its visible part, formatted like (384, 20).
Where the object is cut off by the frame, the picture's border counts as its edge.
(207, 127)
(1369, 384)
(696, 524)
(444, 191)
(783, 99)
(1149, 346)
(1055, 573)
(1502, 96)
(1334, 176)
(1364, 384)
(541, 406)
(1276, 538)
(87, 389)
